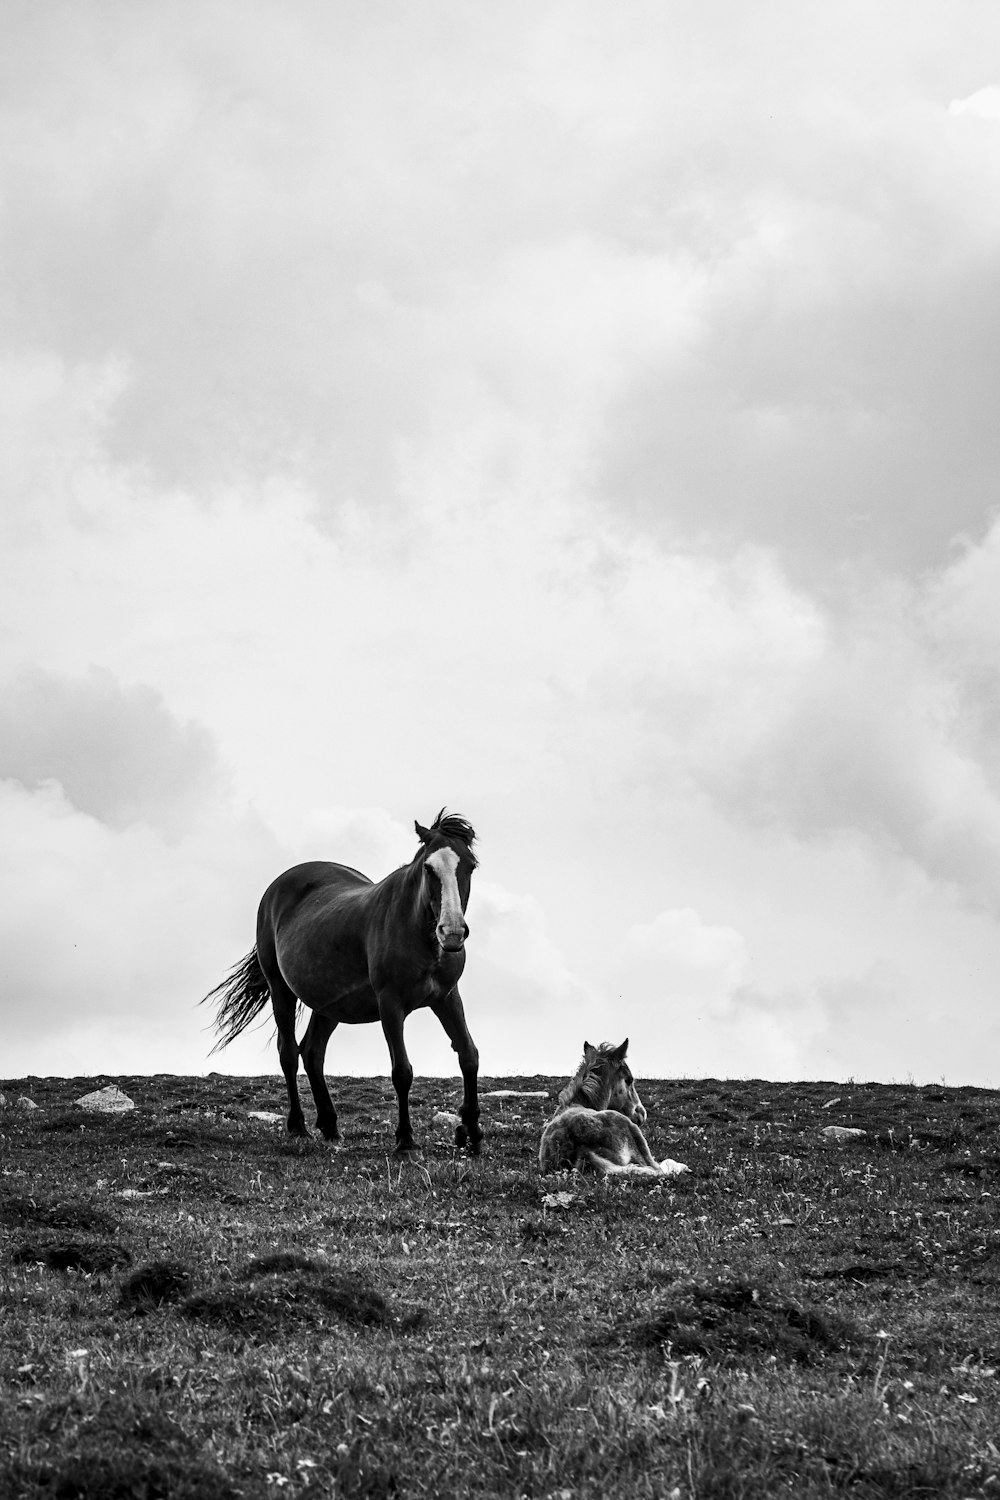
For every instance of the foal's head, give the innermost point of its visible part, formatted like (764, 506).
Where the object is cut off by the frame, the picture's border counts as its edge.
(448, 863)
(604, 1081)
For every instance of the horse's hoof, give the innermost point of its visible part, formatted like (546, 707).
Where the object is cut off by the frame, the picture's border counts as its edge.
(461, 1136)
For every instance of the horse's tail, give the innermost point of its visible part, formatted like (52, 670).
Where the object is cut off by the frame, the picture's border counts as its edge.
(240, 996)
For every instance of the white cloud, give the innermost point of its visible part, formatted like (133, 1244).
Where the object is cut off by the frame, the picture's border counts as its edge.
(877, 737)
(984, 104)
(692, 961)
(368, 839)
(117, 933)
(510, 932)
(684, 992)
(116, 752)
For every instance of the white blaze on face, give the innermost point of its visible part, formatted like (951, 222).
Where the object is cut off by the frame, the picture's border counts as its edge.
(451, 920)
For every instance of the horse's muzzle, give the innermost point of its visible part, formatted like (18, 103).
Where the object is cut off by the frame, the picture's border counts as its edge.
(452, 942)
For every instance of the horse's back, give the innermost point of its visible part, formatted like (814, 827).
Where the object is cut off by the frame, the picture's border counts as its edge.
(316, 888)
(314, 875)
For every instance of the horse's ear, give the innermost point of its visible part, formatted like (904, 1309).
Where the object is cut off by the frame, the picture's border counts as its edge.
(423, 834)
(618, 1055)
(587, 1049)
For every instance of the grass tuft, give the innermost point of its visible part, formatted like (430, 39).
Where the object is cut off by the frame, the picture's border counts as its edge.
(734, 1320)
(291, 1289)
(70, 1213)
(154, 1284)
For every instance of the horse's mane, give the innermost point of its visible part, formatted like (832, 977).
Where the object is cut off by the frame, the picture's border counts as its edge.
(590, 1083)
(453, 826)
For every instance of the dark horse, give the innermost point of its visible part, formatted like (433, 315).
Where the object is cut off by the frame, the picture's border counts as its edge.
(356, 951)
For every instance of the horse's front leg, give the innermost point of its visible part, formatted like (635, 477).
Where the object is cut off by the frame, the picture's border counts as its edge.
(392, 1016)
(451, 1013)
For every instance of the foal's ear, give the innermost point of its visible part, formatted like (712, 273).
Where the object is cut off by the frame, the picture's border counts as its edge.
(618, 1055)
(423, 834)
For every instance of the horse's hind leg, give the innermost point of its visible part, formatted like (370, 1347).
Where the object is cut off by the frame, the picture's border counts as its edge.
(451, 1013)
(313, 1051)
(283, 1003)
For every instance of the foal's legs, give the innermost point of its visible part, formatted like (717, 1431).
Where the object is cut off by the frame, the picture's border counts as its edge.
(312, 1051)
(607, 1168)
(640, 1146)
(451, 1013)
(392, 1016)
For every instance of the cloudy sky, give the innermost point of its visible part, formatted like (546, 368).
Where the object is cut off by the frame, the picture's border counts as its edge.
(583, 415)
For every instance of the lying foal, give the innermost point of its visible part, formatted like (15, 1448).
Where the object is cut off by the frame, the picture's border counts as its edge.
(598, 1118)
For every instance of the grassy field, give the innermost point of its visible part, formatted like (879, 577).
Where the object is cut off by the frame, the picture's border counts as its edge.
(194, 1306)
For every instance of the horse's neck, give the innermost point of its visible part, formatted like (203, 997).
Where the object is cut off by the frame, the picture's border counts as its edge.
(404, 884)
(401, 893)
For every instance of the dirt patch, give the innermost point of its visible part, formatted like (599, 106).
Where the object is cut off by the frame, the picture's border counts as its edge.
(735, 1319)
(58, 1214)
(287, 1288)
(72, 1255)
(97, 1476)
(119, 1453)
(66, 1122)
(154, 1284)
(866, 1270)
(281, 1260)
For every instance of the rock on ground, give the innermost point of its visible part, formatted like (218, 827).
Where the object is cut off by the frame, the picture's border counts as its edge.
(107, 1101)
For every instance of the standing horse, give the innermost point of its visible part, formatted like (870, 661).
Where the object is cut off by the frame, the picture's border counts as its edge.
(598, 1118)
(356, 951)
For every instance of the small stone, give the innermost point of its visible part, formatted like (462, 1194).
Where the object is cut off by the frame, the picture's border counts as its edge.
(843, 1133)
(25, 1103)
(266, 1116)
